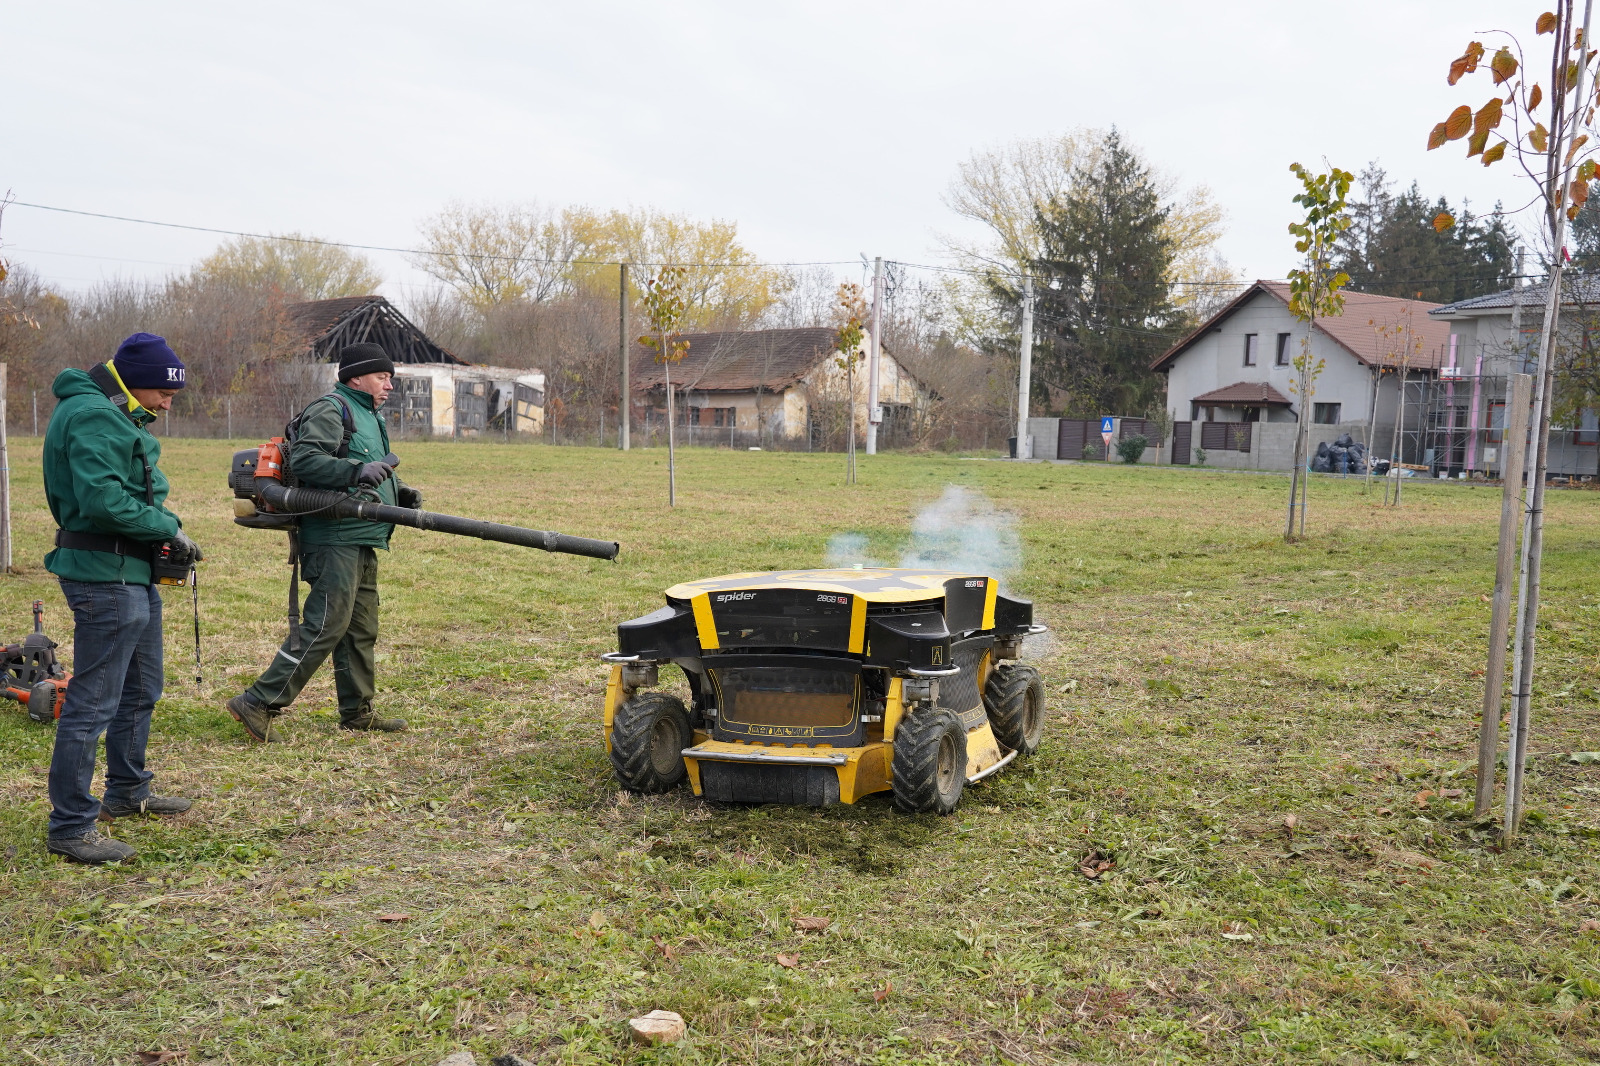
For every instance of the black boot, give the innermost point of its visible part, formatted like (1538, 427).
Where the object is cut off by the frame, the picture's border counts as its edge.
(148, 805)
(91, 849)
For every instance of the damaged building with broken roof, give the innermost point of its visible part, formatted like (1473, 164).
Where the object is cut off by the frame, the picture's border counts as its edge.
(436, 394)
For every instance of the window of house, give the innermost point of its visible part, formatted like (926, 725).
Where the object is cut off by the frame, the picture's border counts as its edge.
(722, 416)
(1325, 414)
(1252, 414)
(1588, 431)
(1282, 358)
(1250, 349)
(1497, 422)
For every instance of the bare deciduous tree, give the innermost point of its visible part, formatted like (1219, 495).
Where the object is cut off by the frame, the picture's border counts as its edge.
(302, 267)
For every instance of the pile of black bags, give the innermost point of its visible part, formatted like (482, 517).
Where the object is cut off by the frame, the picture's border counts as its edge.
(1345, 455)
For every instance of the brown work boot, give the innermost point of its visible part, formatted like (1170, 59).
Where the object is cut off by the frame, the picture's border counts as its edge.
(372, 722)
(255, 717)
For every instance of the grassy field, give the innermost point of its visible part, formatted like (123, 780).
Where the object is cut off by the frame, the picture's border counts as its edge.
(1208, 686)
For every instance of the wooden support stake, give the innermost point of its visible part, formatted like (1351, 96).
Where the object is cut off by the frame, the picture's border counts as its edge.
(5, 481)
(1505, 574)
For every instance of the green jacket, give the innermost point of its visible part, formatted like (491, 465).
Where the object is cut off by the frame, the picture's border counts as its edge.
(94, 481)
(315, 465)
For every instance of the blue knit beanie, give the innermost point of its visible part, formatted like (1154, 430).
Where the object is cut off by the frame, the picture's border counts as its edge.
(145, 361)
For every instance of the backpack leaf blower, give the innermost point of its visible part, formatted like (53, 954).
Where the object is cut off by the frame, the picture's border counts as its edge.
(31, 675)
(265, 497)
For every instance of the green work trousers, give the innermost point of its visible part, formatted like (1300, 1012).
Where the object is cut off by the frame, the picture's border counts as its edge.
(341, 616)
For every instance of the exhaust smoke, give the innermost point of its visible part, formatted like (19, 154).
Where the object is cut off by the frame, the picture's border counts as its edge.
(961, 530)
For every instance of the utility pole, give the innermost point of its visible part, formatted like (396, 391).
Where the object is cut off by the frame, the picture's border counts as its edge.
(622, 353)
(1025, 372)
(874, 411)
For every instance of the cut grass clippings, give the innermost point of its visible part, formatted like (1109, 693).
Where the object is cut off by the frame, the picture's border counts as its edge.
(1246, 838)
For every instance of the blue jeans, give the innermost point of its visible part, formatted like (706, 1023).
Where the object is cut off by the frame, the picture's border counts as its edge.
(116, 680)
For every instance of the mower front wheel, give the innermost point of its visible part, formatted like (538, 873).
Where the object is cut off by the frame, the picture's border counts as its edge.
(1014, 698)
(930, 760)
(648, 735)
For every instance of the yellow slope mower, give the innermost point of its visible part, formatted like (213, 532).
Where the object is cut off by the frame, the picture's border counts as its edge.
(823, 686)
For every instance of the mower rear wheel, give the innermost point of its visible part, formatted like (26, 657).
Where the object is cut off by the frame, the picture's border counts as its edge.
(1014, 698)
(930, 760)
(648, 735)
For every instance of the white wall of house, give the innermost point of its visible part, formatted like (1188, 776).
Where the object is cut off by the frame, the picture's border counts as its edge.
(1217, 360)
(443, 379)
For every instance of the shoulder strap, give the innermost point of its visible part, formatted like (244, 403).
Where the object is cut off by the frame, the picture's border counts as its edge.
(292, 430)
(101, 375)
(349, 426)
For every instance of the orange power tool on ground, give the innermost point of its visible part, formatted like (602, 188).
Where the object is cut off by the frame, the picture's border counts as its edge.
(31, 675)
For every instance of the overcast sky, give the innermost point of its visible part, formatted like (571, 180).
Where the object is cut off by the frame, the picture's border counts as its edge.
(825, 130)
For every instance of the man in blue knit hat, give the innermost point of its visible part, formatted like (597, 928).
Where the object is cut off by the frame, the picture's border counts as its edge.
(108, 498)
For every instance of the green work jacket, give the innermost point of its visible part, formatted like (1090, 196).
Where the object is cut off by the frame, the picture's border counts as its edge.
(315, 465)
(94, 481)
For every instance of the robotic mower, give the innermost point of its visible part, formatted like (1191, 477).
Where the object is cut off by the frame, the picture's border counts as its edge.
(823, 686)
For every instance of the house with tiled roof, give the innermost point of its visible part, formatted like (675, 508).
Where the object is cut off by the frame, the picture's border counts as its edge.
(762, 387)
(1230, 381)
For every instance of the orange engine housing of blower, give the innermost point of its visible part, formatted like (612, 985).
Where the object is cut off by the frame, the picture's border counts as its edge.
(269, 459)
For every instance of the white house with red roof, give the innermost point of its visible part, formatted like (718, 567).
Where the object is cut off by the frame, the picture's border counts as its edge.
(1230, 382)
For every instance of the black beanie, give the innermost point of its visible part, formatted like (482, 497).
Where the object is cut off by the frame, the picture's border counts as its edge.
(358, 359)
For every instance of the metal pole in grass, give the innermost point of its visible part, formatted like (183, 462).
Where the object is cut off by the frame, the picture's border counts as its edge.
(1494, 675)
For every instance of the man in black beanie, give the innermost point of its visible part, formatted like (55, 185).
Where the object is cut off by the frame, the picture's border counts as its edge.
(340, 444)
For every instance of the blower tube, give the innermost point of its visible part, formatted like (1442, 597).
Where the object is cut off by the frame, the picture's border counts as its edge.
(337, 505)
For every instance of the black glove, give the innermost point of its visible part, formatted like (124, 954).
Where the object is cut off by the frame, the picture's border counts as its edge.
(409, 497)
(371, 474)
(185, 550)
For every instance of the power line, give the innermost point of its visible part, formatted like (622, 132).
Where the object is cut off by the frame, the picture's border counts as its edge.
(82, 255)
(399, 251)
(996, 272)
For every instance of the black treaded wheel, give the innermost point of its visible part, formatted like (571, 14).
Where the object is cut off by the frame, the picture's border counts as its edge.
(648, 735)
(930, 760)
(1014, 698)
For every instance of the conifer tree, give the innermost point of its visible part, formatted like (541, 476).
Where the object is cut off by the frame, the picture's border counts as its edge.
(1105, 308)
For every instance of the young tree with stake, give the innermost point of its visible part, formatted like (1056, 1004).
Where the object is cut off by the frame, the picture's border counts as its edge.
(1314, 291)
(1547, 137)
(847, 341)
(664, 307)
